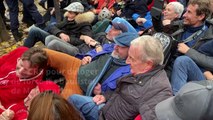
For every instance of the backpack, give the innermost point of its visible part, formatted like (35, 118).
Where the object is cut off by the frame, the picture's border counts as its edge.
(169, 45)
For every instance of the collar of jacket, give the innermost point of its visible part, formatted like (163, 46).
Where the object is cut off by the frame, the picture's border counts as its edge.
(85, 17)
(142, 78)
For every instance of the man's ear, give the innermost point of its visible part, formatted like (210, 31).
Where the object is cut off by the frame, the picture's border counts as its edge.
(177, 16)
(18, 59)
(201, 17)
(150, 64)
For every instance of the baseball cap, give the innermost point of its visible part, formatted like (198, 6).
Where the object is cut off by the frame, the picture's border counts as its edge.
(192, 102)
(119, 26)
(124, 39)
(75, 7)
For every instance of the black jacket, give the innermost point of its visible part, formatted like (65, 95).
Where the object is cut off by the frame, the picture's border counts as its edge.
(80, 26)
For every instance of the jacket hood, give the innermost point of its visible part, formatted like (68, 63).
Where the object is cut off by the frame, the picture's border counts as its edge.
(85, 17)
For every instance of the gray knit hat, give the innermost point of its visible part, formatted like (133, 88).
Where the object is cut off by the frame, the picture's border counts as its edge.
(75, 7)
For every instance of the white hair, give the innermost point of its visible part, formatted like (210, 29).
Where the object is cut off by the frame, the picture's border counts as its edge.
(178, 8)
(150, 49)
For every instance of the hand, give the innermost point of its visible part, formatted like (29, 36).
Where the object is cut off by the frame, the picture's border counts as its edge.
(64, 37)
(95, 2)
(86, 60)
(183, 48)
(2, 107)
(97, 89)
(7, 115)
(94, 11)
(98, 48)
(27, 101)
(140, 32)
(92, 43)
(98, 99)
(208, 75)
(140, 21)
(88, 40)
(166, 22)
(119, 12)
(52, 11)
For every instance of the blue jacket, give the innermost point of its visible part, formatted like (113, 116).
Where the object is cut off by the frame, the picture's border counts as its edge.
(148, 24)
(107, 48)
(110, 82)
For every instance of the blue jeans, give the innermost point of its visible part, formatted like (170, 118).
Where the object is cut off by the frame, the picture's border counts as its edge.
(35, 34)
(184, 70)
(86, 105)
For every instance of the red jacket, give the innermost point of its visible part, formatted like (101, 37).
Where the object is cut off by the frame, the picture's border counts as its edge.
(9, 83)
(104, 3)
(13, 90)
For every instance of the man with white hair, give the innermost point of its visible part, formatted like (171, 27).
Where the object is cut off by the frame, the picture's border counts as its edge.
(173, 11)
(136, 93)
(171, 14)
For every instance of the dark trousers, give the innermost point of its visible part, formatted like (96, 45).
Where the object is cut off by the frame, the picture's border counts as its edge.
(2, 8)
(13, 12)
(29, 6)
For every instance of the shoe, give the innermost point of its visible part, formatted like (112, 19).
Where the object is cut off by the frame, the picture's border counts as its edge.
(42, 4)
(7, 26)
(17, 35)
(5, 19)
(28, 22)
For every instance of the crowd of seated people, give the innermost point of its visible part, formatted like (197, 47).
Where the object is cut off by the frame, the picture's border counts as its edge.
(112, 65)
